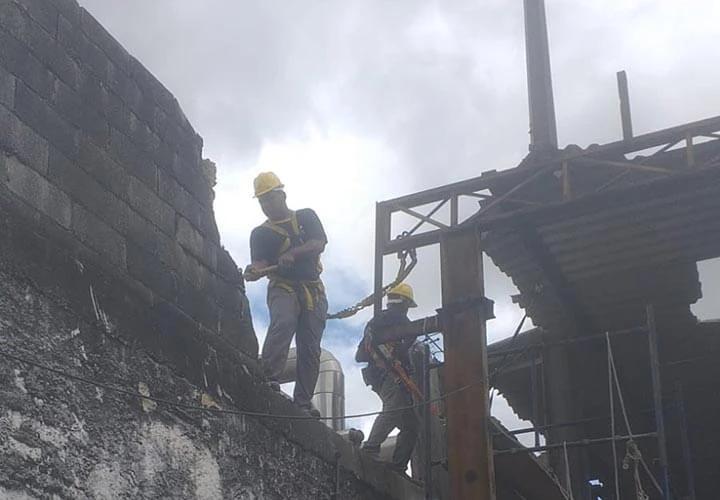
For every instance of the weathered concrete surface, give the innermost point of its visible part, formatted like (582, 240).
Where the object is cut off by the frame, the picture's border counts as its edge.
(111, 269)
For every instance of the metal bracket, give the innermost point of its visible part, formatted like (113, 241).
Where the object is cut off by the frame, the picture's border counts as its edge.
(485, 306)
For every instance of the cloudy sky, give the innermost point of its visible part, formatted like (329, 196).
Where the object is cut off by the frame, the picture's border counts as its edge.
(356, 101)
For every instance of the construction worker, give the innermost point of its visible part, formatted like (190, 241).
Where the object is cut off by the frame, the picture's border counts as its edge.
(286, 248)
(387, 373)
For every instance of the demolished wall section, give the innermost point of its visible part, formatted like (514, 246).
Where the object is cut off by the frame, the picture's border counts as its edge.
(93, 141)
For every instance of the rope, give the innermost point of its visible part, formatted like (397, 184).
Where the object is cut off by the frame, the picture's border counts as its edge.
(403, 272)
(611, 394)
(567, 471)
(638, 486)
(220, 411)
(632, 454)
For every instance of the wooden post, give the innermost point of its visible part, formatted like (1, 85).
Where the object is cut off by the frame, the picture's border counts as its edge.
(470, 457)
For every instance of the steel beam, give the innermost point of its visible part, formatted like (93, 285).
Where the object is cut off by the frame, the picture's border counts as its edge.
(543, 130)
(625, 115)
(470, 459)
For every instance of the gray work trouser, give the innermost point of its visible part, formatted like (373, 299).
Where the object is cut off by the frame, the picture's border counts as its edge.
(394, 395)
(289, 317)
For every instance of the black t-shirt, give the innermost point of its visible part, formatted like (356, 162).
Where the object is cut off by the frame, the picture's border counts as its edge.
(266, 244)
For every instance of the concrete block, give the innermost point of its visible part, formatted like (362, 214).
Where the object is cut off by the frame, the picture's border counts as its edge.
(7, 89)
(187, 172)
(42, 12)
(148, 204)
(102, 168)
(38, 114)
(132, 158)
(227, 269)
(118, 113)
(198, 306)
(19, 139)
(148, 237)
(123, 86)
(38, 192)
(200, 217)
(100, 37)
(85, 190)
(99, 236)
(145, 267)
(18, 20)
(194, 242)
(16, 59)
(69, 9)
(78, 45)
(71, 106)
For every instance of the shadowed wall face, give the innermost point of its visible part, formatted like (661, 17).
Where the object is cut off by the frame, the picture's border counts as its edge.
(91, 141)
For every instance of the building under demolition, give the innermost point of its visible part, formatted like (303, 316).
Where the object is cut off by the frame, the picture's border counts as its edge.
(129, 361)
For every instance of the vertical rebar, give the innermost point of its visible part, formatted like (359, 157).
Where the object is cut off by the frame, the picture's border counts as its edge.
(427, 429)
(611, 395)
(533, 394)
(657, 400)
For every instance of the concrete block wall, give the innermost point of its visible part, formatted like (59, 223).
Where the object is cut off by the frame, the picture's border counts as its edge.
(90, 139)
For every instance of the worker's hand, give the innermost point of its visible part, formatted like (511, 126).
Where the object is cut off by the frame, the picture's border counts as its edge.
(286, 260)
(250, 274)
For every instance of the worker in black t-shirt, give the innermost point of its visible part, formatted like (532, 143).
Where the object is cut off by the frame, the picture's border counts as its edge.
(286, 248)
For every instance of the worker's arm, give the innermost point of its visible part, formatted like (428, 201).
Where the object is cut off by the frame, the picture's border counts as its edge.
(310, 248)
(362, 355)
(252, 273)
(315, 238)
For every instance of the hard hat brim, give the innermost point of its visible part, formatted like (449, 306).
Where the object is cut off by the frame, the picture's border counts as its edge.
(281, 187)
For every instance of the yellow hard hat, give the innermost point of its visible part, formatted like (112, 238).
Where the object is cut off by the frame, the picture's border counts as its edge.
(266, 182)
(405, 291)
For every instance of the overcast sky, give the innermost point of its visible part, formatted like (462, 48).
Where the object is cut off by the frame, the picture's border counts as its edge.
(356, 101)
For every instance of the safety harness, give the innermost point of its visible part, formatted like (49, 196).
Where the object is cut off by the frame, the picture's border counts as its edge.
(307, 292)
(383, 356)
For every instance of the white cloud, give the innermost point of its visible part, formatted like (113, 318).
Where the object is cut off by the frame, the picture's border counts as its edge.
(362, 100)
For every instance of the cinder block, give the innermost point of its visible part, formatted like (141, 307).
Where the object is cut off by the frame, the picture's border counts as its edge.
(42, 12)
(100, 37)
(148, 237)
(123, 86)
(148, 204)
(19, 22)
(99, 236)
(198, 306)
(16, 59)
(19, 139)
(227, 268)
(38, 192)
(118, 113)
(194, 242)
(38, 114)
(7, 89)
(87, 191)
(102, 168)
(78, 45)
(71, 106)
(145, 267)
(200, 217)
(187, 173)
(132, 158)
(69, 9)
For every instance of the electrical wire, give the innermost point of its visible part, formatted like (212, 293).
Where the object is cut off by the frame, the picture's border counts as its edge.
(246, 413)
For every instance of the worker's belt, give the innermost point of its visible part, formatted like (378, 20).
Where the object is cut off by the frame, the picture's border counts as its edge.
(308, 292)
